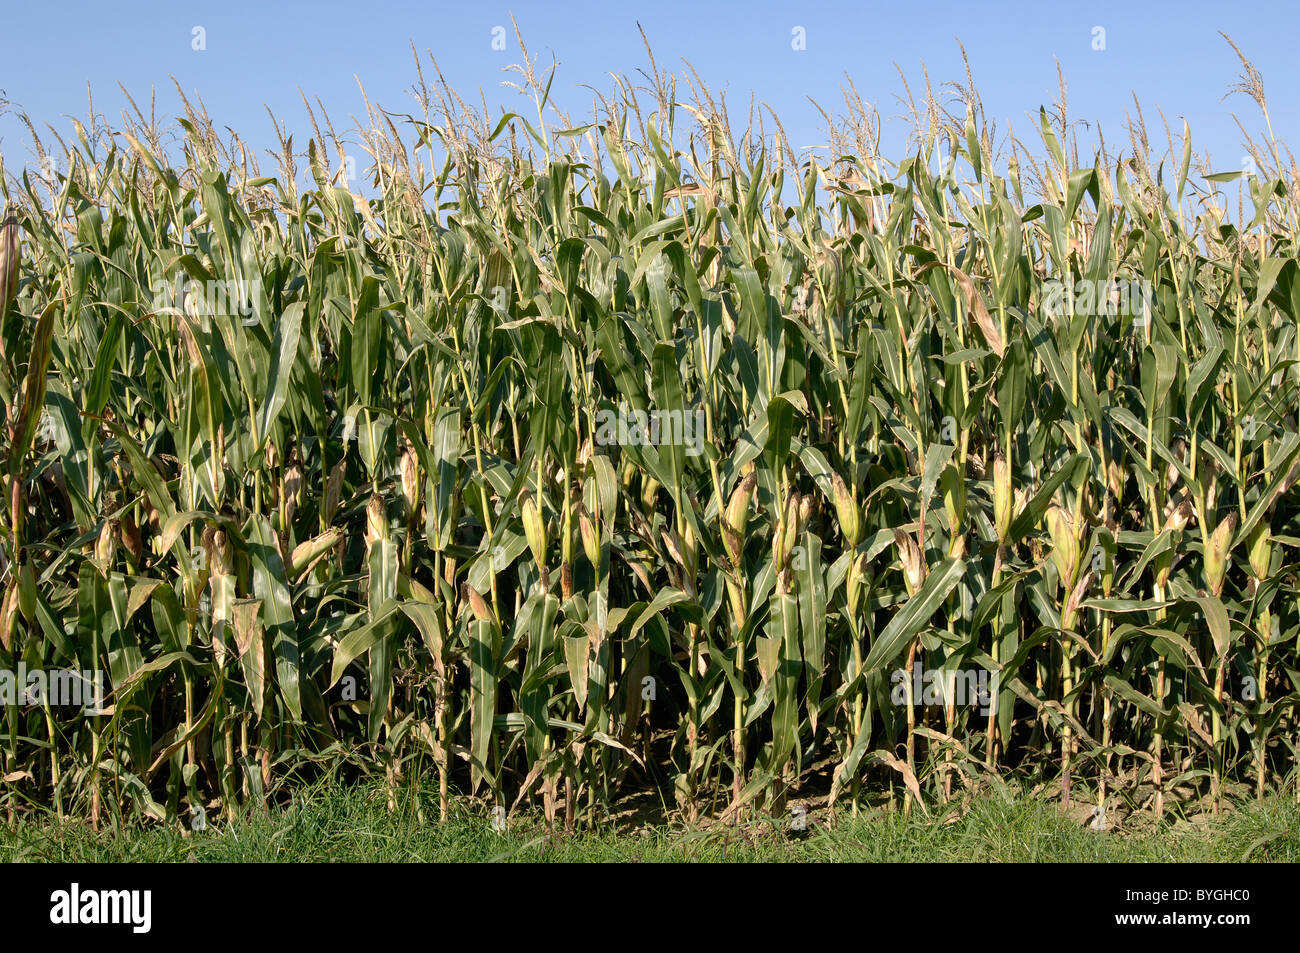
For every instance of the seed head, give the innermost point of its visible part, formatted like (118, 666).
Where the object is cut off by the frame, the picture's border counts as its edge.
(293, 481)
(534, 527)
(738, 505)
(854, 581)
(334, 489)
(131, 537)
(1002, 497)
(1261, 549)
(305, 553)
(221, 556)
(106, 546)
(649, 490)
(914, 568)
(953, 487)
(590, 534)
(1216, 554)
(1065, 548)
(376, 520)
(1178, 517)
(1070, 614)
(846, 510)
(476, 603)
(411, 479)
(1115, 479)
(791, 528)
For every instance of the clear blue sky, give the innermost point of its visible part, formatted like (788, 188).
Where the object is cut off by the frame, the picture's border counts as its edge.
(1169, 54)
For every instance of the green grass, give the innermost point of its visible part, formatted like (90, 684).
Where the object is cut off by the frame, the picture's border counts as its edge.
(334, 823)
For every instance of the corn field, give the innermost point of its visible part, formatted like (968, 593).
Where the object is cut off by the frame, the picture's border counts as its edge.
(558, 460)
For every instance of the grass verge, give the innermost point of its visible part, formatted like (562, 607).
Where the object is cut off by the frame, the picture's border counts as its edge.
(335, 823)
